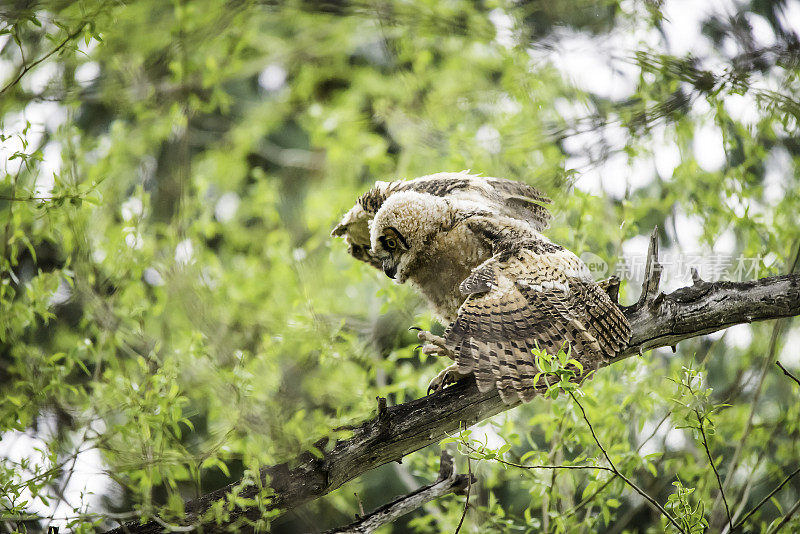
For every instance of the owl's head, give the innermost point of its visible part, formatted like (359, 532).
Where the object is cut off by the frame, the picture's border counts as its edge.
(402, 227)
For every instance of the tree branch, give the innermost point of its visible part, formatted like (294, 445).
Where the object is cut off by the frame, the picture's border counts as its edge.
(793, 510)
(765, 499)
(656, 321)
(27, 68)
(466, 498)
(701, 421)
(448, 482)
(787, 373)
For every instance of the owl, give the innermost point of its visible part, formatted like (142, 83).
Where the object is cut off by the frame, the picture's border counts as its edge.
(473, 248)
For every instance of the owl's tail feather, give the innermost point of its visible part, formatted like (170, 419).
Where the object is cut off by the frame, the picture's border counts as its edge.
(472, 357)
(505, 372)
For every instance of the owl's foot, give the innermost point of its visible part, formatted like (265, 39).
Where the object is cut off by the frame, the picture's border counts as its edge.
(448, 376)
(433, 345)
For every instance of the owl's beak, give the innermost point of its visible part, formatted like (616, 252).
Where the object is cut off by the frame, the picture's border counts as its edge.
(339, 230)
(390, 269)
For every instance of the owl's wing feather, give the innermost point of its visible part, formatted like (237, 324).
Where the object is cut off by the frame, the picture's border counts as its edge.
(497, 328)
(528, 199)
(481, 280)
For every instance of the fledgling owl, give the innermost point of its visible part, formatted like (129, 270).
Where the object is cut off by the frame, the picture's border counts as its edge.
(472, 246)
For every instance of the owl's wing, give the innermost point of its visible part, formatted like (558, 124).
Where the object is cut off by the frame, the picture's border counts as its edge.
(522, 300)
(497, 195)
(504, 197)
(522, 201)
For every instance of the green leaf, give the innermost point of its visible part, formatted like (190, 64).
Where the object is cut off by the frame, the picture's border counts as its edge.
(777, 504)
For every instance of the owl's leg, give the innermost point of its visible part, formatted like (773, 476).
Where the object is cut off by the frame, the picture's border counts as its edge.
(434, 345)
(448, 376)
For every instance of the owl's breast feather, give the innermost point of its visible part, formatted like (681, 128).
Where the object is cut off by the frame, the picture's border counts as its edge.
(449, 259)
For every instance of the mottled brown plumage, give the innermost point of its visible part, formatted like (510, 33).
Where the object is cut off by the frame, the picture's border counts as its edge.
(525, 300)
(479, 259)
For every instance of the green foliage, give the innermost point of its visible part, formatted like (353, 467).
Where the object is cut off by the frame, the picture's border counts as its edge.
(174, 314)
(559, 372)
(692, 519)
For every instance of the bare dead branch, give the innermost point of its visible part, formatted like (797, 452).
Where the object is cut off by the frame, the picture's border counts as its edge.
(708, 307)
(652, 272)
(448, 482)
(787, 373)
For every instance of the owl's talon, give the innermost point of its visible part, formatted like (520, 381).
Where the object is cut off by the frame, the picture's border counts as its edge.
(434, 345)
(447, 376)
(431, 350)
(418, 329)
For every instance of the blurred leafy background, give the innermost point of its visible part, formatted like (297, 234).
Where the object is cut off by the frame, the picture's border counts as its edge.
(173, 313)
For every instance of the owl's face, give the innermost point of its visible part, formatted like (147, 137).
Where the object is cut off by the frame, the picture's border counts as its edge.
(401, 229)
(391, 249)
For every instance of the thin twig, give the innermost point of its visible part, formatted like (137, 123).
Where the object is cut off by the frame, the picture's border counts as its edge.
(745, 493)
(174, 528)
(622, 522)
(554, 449)
(750, 481)
(38, 199)
(589, 498)
(629, 482)
(27, 68)
(701, 421)
(466, 501)
(540, 466)
(765, 499)
(555, 468)
(655, 431)
(61, 488)
(7, 232)
(773, 344)
(787, 373)
(360, 506)
(50, 472)
(786, 518)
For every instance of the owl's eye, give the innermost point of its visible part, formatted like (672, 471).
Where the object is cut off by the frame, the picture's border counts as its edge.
(392, 240)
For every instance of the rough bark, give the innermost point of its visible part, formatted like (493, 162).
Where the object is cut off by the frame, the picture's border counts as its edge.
(657, 320)
(448, 482)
